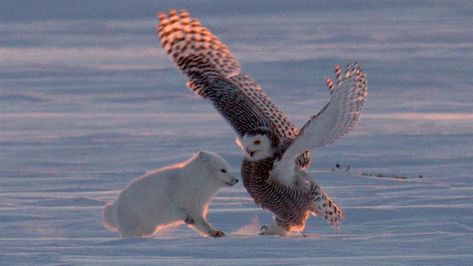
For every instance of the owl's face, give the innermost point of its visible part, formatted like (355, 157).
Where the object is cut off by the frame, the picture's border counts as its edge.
(256, 147)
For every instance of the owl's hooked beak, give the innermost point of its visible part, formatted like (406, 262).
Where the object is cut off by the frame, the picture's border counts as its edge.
(251, 153)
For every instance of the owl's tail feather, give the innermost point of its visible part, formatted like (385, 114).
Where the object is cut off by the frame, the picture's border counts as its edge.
(326, 208)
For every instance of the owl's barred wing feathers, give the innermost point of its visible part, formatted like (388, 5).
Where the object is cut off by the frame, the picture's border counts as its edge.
(340, 114)
(183, 37)
(335, 119)
(215, 74)
(232, 103)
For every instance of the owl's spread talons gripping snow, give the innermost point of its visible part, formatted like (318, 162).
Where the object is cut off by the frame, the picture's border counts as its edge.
(276, 151)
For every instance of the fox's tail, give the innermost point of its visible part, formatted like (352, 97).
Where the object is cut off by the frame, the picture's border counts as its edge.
(110, 216)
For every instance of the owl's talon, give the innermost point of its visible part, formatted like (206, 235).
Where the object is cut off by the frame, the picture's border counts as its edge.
(263, 229)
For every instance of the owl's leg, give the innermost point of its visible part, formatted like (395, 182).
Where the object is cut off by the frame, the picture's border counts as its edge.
(274, 229)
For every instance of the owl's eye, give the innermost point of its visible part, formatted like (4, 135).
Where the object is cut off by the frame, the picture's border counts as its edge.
(257, 142)
(223, 171)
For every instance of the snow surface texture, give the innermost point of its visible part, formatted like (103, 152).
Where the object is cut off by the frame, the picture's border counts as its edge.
(88, 100)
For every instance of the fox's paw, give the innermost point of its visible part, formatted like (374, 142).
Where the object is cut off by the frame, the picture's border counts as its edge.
(216, 233)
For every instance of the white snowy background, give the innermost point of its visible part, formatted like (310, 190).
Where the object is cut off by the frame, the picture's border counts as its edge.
(88, 101)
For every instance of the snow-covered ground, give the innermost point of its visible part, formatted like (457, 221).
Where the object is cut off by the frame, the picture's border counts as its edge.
(88, 101)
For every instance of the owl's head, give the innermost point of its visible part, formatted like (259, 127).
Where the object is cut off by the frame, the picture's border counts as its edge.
(258, 143)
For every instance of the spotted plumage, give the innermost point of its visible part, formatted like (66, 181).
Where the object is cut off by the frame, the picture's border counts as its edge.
(276, 151)
(290, 206)
(208, 63)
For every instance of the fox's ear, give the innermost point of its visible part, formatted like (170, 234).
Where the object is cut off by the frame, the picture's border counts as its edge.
(203, 156)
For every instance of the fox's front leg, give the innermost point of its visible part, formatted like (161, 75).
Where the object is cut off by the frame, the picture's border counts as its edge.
(200, 224)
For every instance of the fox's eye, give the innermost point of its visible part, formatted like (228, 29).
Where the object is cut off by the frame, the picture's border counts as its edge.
(223, 171)
(257, 142)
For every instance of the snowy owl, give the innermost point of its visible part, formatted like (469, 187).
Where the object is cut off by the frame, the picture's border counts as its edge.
(276, 151)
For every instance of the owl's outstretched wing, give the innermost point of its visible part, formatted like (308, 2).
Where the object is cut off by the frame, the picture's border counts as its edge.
(335, 119)
(215, 74)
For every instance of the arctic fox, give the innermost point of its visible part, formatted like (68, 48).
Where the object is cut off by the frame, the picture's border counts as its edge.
(169, 195)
